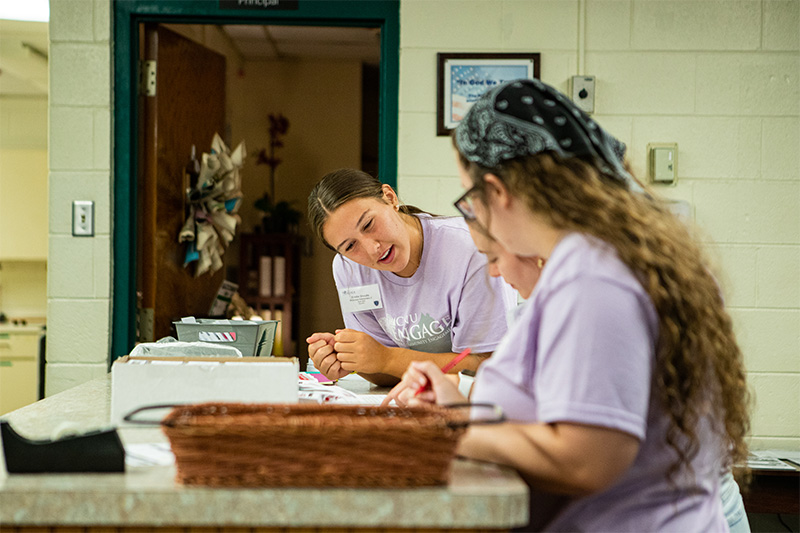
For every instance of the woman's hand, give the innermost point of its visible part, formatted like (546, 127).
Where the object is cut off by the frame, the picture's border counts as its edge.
(358, 352)
(322, 353)
(443, 388)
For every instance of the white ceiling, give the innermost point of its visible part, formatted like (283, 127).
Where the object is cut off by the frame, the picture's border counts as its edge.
(23, 49)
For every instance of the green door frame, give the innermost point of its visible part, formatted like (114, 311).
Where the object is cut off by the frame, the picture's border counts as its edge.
(127, 15)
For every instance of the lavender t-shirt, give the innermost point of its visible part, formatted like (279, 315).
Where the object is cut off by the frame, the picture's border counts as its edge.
(450, 303)
(582, 351)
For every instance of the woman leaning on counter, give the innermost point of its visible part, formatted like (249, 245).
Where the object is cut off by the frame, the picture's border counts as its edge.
(411, 285)
(621, 375)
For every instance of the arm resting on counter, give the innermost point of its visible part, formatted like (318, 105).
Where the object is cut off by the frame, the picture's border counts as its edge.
(560, 458)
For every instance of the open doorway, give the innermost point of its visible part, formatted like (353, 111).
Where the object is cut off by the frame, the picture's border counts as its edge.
(209, 16)
(234, 81)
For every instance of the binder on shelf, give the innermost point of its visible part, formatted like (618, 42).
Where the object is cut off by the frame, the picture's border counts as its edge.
(280, 276)
(265, 277)
(266, 285)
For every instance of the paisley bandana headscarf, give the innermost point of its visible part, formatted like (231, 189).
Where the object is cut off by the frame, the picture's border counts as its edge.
(525, 117)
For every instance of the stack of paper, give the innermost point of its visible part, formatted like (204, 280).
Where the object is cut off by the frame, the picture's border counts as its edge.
(768, 460)
(314, 391)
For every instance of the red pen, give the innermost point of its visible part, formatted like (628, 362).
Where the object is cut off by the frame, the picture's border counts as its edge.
(446, 368)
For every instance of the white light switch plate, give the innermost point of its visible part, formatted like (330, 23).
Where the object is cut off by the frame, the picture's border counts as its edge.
(82, 218)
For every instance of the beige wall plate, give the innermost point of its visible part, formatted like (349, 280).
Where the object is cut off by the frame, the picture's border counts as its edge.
(662, 163)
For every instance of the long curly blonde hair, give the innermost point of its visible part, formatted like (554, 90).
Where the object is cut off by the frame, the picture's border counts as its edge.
(698, 362)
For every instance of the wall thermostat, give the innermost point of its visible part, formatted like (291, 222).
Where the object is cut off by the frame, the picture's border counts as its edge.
(663, 162)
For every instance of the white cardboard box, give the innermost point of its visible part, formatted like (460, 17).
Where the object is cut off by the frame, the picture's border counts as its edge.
(141, 381)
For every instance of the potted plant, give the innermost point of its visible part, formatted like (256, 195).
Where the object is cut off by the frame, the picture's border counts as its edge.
(279, 217)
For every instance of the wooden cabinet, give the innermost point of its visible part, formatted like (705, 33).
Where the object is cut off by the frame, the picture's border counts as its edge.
(269, 281)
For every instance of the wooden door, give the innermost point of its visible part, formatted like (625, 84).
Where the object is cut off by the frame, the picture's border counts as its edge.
(187, 109)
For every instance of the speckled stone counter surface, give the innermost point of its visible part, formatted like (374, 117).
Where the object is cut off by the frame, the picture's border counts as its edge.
(478, 496)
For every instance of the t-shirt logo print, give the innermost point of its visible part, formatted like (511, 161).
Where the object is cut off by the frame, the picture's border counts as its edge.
(376, 302)
(421, 331)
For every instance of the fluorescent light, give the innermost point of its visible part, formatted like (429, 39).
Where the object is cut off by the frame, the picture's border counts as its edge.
(36, 10)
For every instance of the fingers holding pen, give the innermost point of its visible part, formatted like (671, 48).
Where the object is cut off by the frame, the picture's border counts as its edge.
(439, 387)
(410, 389)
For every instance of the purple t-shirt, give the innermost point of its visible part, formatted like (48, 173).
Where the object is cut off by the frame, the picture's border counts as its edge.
(450, 303)
(582, 350)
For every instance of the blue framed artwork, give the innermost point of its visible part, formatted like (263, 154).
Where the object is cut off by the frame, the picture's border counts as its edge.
(463, 78)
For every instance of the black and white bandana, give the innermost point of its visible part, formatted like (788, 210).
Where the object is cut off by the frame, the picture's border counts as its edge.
(526, 117)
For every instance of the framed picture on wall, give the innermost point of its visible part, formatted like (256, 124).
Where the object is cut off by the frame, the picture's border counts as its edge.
(462, 78)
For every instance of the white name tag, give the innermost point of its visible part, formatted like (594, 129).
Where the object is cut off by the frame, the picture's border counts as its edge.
(364, 298)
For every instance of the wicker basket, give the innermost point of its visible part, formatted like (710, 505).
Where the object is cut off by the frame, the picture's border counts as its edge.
(269, 445)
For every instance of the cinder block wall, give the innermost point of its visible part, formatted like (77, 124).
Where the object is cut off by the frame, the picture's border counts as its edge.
(719, 78)
(79, 269)
(722, 79)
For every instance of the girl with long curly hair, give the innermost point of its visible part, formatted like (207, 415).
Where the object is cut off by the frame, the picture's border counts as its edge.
(629, 398)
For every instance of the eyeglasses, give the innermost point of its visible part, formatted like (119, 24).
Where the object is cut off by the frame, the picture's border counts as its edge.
(464, 203)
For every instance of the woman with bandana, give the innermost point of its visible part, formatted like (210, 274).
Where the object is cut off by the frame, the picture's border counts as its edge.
(411, 286)
(630, 395)
(522, 273)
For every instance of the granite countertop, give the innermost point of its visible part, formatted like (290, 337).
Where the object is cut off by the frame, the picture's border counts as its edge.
(478, 495)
